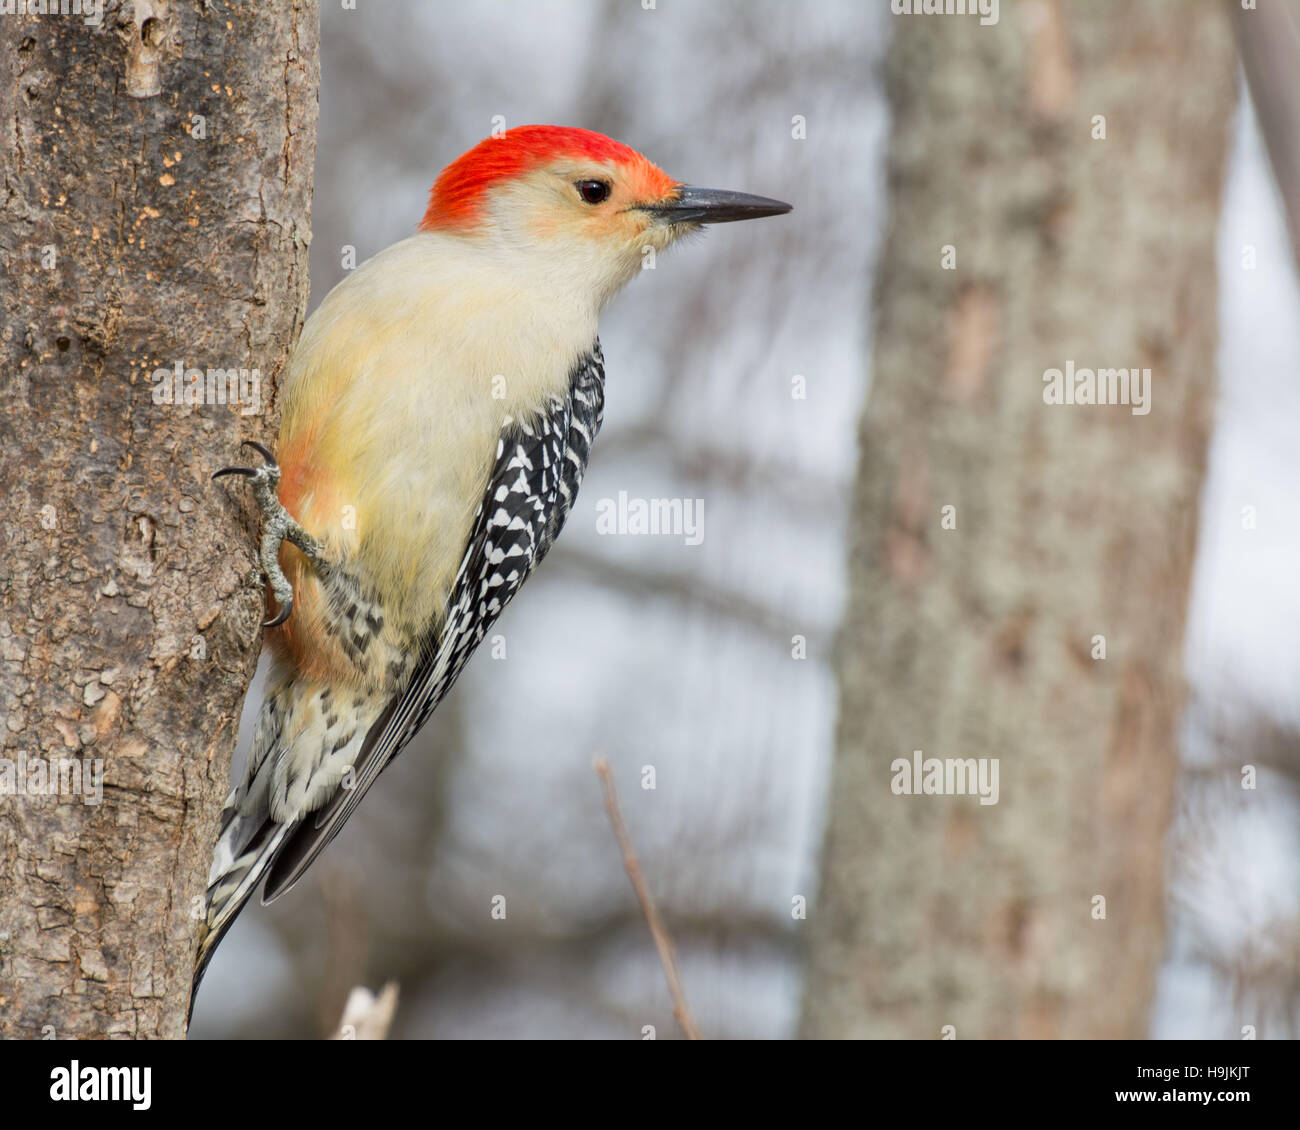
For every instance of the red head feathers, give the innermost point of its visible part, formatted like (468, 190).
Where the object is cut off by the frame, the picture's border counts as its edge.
(459, 190)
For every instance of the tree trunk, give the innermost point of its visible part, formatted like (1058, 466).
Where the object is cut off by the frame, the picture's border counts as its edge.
(1073, 522)
(1268, 39)
(157, 187)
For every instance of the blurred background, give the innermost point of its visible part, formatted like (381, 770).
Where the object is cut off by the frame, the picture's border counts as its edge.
(738, 371)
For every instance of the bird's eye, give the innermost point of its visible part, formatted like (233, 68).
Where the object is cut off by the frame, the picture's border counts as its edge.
(593, 191)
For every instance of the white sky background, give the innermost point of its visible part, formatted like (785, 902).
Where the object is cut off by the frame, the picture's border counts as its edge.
(1243, 628)
(700, 353)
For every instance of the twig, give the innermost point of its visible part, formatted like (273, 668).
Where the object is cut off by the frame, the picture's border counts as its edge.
(366, 1016)
(663, 941)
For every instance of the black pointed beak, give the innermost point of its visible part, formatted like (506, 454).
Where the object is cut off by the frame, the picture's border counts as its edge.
(715, 206)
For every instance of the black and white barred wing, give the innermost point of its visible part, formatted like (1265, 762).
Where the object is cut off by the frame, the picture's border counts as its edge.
(539, 466)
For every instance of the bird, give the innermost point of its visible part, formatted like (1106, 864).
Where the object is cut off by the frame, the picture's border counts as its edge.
(437, 416)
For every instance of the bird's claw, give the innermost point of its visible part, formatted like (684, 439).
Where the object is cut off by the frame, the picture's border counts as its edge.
(286, 610)
(276, 524)
(264, 452)
(271, 469)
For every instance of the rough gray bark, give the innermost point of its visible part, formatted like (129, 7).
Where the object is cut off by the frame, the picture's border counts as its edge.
(1072, 522)
(156, 198)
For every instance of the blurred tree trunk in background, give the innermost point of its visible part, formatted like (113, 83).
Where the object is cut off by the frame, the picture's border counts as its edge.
(1268, 38)
(157, 171)
(979, 641)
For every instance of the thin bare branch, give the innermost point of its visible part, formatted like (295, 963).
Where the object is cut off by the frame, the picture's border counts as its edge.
(663, 941)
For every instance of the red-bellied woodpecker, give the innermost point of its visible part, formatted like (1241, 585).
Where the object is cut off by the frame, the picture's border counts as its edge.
(436, 421)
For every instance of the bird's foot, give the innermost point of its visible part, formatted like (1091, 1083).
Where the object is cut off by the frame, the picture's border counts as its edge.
(278, 526)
